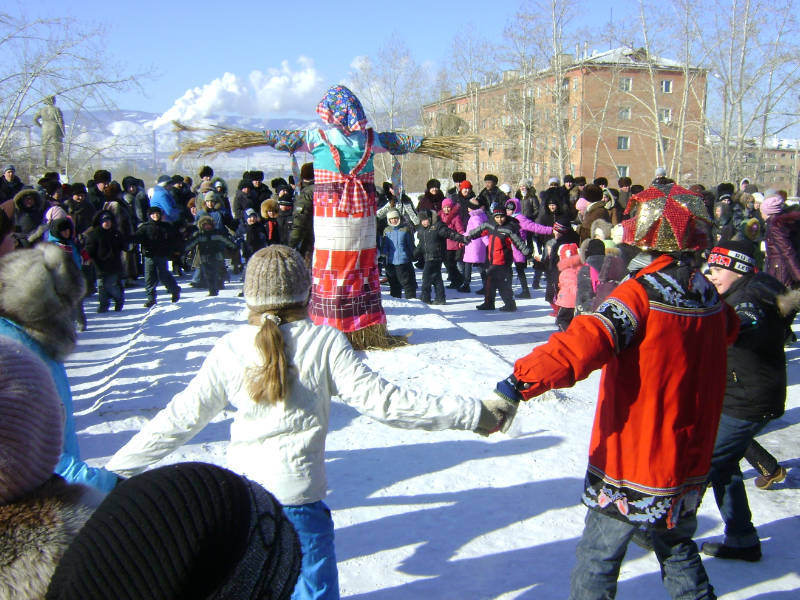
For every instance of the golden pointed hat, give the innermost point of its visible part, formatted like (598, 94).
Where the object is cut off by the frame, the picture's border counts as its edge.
(666, 218)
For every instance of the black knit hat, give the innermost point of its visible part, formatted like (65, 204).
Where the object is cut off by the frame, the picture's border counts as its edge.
(206, 171)
(736, 256)
(78, 188)
(190, 530)
(433, 183)
(568, 179)
(490, 177)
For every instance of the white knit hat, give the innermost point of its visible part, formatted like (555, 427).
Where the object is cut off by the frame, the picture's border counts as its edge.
(31, 422)
(276, 276)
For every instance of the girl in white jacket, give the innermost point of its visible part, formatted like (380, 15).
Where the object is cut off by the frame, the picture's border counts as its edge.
(280, 371)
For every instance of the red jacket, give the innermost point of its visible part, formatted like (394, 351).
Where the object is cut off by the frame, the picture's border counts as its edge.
(661, 339)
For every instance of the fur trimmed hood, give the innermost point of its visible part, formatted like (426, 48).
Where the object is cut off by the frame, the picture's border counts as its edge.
(39, 202)
(36, 531)
(39, 290)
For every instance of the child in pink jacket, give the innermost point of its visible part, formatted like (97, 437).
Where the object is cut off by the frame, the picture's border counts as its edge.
(569, 263)
(475, 251)
(450, 215)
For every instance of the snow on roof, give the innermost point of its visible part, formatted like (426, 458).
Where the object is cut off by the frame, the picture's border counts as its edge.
(630, 56)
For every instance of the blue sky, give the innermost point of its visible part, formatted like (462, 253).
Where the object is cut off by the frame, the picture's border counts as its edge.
(281, 50)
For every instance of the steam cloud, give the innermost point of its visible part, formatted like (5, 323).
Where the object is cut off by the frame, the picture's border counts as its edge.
(261, 94)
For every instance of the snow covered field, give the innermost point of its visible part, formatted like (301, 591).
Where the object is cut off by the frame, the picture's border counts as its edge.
(434, 515)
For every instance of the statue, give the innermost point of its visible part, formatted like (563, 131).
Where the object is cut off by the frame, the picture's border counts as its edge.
(51, 120)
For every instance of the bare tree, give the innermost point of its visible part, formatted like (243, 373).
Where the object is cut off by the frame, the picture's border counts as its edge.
(755, 61)
(470, 64)
(53, 56)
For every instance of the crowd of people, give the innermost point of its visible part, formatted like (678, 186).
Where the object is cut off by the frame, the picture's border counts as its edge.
(631, 273)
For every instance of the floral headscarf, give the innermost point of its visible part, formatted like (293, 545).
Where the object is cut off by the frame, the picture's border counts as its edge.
(341, 108)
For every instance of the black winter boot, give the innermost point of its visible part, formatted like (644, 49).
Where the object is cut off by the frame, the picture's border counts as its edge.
(749, 553)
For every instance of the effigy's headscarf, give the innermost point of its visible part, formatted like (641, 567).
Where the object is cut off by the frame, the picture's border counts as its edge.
(341, 108)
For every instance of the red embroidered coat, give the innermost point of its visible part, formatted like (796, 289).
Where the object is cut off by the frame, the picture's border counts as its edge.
(661, 339)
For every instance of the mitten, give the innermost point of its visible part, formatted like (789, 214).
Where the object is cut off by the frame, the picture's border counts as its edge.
(495, 412)
(508, 390)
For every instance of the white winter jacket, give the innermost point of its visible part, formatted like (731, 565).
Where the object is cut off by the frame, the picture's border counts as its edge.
(281, 445)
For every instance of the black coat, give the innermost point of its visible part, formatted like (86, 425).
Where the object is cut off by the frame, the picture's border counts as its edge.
(104, 247)
(158, 239)
(756, 387)
(432, 241)
(9, 189)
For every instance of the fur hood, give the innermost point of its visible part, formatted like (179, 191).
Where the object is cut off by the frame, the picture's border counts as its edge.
(39, 290)
(36, 530)
(788, 303)
(39, 202)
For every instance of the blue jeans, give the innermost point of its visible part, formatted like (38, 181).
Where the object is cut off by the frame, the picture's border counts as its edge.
(108, 288)
(155, 270)
(733, 438)
(319, 576)
(602, 548)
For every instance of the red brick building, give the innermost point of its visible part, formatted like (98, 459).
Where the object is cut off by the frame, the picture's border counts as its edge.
(616, 113)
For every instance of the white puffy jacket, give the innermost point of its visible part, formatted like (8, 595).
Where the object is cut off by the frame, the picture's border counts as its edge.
(281, 445)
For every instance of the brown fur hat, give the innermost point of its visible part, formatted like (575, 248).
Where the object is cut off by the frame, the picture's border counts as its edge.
(268, 205)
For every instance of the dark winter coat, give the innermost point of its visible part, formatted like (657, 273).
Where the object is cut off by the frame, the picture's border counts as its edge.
(723, 224)
(210, 245)
(530, 205)
(489, 197)
(253, 236)
(431, 241)
(27, 220)
(157, 238)
(301, 237)
(9, 189)
(36, 531)
(285, 223)
(756, 386)
(431, 202)
(82, 214)
(244, 201)
(140, 204)
(782, 261)
(105, 246)
(95, 197)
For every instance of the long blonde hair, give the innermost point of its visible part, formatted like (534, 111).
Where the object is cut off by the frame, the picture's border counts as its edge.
(269, 382)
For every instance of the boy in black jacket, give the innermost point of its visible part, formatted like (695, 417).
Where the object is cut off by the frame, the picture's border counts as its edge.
(431, 247)
(210, 244)
(104, 244)
(158, 240)
(756, 389)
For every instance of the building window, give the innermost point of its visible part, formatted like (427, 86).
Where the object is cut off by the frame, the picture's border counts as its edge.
(536, 168)
(665, 115)
(623, 142)
(574, 113)
(625, 84)
(625, 113)
(575, 84)
(622, 170)
(664, 144)
(666, 86)
(574, 141)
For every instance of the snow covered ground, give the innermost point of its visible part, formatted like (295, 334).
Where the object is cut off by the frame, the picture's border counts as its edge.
(434, 515)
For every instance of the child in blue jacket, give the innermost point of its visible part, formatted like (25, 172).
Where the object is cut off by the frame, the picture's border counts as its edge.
(397, 246)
